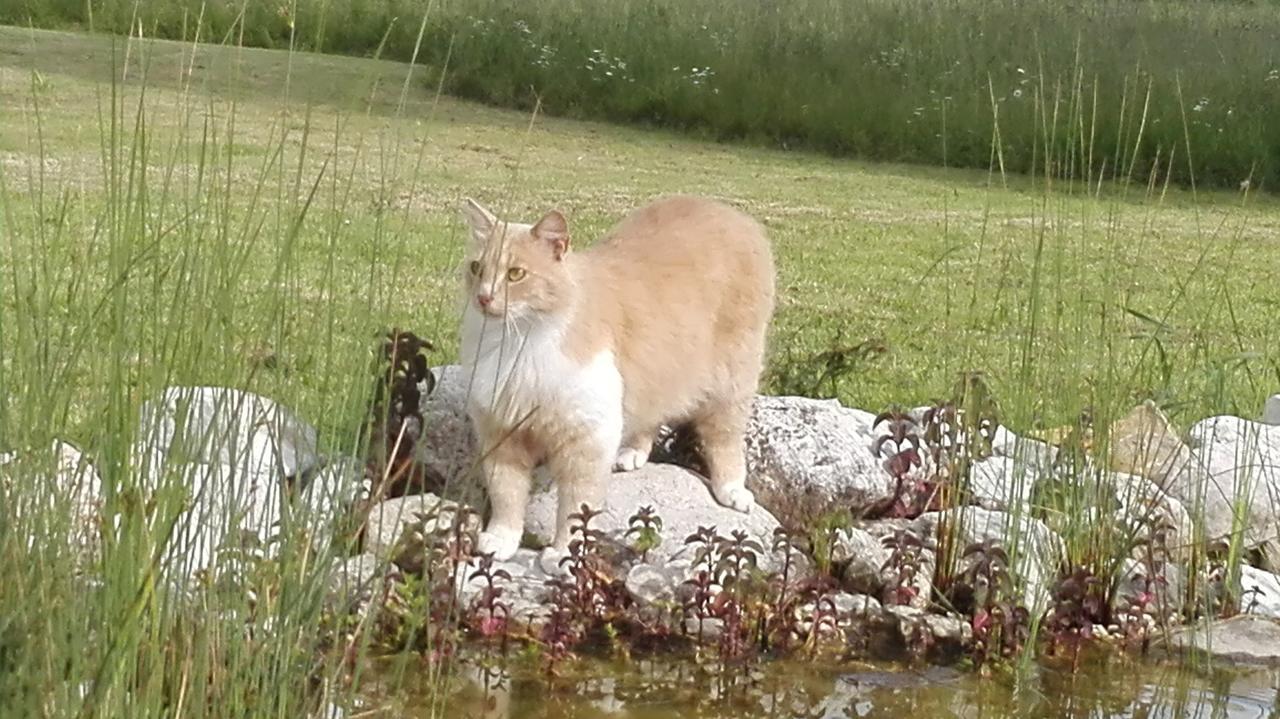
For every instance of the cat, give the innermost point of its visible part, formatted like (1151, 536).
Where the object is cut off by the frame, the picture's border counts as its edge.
(576, 359)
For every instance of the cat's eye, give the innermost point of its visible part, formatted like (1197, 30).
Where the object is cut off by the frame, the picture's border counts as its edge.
(515, 274)
(475, 267)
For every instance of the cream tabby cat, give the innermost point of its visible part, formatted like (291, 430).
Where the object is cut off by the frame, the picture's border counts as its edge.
(577, 358)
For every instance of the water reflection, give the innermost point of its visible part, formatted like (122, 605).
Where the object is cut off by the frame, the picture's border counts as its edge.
(666, 689)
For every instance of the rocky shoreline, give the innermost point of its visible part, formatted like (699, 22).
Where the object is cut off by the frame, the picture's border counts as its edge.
(919, 531)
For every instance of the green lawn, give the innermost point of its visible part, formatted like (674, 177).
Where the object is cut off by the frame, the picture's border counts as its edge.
(175, 243)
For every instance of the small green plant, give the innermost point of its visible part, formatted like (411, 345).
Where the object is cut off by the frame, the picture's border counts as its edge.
(646, 525)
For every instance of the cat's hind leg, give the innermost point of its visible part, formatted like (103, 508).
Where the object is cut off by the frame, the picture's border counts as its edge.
(634, 452)
(721, 426)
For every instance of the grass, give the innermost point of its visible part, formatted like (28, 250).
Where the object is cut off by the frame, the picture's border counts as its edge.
(909, 81)
(169, 212)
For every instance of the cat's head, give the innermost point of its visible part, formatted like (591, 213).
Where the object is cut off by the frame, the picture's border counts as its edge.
(516, 270)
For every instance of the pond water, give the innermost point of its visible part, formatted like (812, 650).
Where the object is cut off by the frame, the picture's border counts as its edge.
(1103, 686)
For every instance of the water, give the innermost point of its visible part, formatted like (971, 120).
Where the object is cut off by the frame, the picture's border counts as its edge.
(1104, 686)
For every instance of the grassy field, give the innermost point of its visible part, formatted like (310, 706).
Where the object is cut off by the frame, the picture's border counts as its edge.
(172, 213)
(328, 187)
(921, 81)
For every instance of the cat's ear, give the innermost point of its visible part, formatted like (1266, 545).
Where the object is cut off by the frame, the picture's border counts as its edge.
(480, 220)
(553, 230)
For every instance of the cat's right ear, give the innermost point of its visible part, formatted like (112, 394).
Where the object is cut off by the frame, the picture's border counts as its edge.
(480, 220)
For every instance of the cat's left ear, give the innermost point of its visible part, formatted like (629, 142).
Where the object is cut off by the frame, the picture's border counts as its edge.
(553, 230)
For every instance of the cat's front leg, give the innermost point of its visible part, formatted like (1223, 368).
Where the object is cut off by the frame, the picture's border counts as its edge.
(579, 469)
(507, 479)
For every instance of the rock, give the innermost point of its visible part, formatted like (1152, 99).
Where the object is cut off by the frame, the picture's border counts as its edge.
(1000, 482)
(950, 630)
(852, 606)
(1271, 410)
(862, 557)
(399, 529)
(62, 484)
(1242, 460)
(1149, 513)
(219, 508)
(1032, 452)
(680, 497)
(652, 585)
(449, 447)
(1259, 592)
(326, 502)
(1144, 443)
(1033, 548)
(869, 568)
(1167, 589)
(808, 457)
(524, 593)
(1242, 639)
(353, 580)
(708, 629)
(219, 425)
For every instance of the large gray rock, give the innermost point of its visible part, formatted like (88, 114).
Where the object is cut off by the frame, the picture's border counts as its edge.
(804, 456)
(57, 486)
(1259, 592)
(809, 457)
(1242, 460)
(218, 511)
(681, 498)
(1244, 639)
(219, 425)
(221, 511)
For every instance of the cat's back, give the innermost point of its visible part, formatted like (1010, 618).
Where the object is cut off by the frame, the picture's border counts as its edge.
(685, 225)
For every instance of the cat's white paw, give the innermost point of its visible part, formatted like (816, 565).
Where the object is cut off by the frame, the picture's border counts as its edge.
(630, 459)
(735, 496)
(501, 544)
(551, 560)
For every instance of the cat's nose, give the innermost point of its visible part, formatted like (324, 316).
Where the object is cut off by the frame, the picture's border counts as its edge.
(484, 299)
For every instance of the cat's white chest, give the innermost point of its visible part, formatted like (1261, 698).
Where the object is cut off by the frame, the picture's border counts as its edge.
(512, 375)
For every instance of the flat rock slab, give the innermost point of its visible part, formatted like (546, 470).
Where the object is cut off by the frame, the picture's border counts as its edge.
(681, 498)
(1243, 639)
